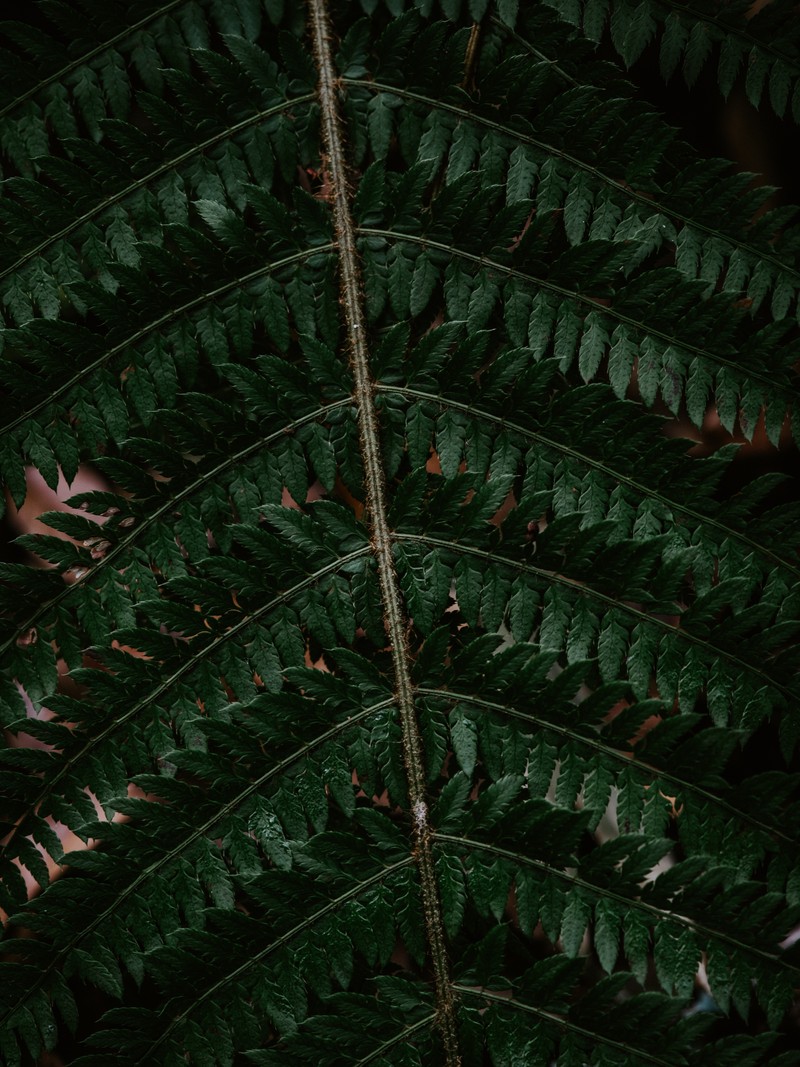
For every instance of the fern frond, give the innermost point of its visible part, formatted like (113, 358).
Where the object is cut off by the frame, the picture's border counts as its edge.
(397, 692)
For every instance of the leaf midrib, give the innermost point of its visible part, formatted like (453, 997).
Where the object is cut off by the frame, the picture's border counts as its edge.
(731, 28)
(395, 615)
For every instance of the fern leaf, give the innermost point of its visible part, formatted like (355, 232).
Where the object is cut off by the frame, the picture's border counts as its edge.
(389, 687)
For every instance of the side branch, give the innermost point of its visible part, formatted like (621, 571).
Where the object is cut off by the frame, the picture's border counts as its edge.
(376, 506)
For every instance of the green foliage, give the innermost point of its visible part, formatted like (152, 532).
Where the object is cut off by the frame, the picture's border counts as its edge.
(205, 675)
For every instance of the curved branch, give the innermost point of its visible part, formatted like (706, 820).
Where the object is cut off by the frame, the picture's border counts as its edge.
(473, 411)
(173, 313)
(614, 753)
(586, 590)
(153, 175)
(629, 902)
(404, 1035)
(595, 1037)
(180, 673)
(259, 957)
(152, 517)
(431, 104)
(198, 832)
(91, 54)
(579, 298)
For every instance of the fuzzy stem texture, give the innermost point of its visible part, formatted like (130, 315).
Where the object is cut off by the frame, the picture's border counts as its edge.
(395, 619)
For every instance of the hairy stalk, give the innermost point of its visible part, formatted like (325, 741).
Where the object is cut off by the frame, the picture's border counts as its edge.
(395, 620)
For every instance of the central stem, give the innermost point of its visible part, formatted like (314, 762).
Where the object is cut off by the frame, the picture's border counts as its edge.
(395, 620)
